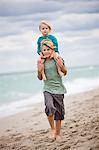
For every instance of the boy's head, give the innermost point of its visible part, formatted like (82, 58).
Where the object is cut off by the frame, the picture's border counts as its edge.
(47, 48)
(45, 28)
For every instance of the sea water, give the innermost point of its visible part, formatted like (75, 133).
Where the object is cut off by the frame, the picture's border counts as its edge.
(19, 91)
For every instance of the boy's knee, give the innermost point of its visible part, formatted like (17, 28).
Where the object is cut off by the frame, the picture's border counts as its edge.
(50, 110)
(58, 116)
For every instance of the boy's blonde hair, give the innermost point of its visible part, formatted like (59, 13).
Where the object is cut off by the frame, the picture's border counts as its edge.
(45, 23)
(48, 43)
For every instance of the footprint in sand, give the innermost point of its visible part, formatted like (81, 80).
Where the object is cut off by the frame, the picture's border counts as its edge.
(8, 130)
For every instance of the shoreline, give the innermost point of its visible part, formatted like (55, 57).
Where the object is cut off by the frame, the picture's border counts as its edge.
(30, 129)
(28, 103)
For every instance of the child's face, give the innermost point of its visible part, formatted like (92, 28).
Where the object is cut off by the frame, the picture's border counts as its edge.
(44, 29)
(46, 51)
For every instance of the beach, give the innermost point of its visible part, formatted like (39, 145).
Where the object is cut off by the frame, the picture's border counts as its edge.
(29, 130)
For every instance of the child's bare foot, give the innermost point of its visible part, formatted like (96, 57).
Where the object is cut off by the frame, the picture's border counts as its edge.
(53, 135)
(58, 137)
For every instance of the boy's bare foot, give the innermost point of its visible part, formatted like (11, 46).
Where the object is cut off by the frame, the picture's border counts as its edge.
(53, 135)
(58, 137)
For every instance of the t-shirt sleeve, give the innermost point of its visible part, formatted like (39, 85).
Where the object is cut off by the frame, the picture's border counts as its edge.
(38, 46)
(54, 40)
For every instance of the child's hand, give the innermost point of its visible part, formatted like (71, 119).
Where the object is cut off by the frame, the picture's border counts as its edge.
(42, 56)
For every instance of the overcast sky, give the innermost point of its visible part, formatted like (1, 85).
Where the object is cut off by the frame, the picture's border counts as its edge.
(75, 23)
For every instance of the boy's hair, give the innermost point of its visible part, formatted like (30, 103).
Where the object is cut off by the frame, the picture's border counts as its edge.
(48, 43)
(45, 23)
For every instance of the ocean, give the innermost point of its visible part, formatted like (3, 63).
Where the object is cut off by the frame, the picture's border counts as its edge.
(20, 91)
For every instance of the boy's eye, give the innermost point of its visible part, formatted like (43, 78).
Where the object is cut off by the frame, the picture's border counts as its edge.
(46, 28)
(44, 49)
(42, 28)
(48, 49)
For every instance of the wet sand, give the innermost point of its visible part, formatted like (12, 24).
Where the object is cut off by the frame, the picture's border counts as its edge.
(29, 130)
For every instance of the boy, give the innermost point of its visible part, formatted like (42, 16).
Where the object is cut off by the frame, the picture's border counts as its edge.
(53, 88)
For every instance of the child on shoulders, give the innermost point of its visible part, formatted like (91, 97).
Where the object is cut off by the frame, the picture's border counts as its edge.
(45, 29)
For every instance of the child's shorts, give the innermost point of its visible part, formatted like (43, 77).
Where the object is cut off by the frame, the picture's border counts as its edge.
(54, 105)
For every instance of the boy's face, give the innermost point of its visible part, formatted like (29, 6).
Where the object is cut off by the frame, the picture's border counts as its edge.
(46, 51)
(44, 29)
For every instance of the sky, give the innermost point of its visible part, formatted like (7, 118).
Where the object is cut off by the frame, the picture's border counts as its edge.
(75, 24)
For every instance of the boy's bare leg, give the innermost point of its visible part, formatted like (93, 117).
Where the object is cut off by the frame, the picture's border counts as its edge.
(57, 128)
(51, 122)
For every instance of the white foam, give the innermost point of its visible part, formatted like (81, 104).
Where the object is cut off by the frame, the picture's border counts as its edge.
(81, 85)
(74, 86)
(19, 106)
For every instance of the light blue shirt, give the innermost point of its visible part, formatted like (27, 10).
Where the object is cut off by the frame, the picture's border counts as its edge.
(48, 37)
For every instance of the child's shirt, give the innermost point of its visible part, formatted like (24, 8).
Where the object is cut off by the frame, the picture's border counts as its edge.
(48, 37)
(53, 84)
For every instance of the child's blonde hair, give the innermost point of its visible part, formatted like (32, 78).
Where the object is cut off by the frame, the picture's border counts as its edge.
(48, 43)
(45, 23)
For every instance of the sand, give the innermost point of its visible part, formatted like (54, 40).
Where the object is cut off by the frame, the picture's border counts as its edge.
(29, 130)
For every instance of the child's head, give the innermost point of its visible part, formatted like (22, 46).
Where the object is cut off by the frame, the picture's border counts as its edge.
(45, 28)
(47, 48)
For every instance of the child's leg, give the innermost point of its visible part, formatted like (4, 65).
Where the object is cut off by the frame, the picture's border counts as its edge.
(59, 114)
(43, 75)
(51, 122)
(50, 111)
(57, 128)
(41, 60)
(59, 71)
(56, 56)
